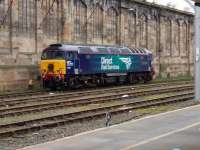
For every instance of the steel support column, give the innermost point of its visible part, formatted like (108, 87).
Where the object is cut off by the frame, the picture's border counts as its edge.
(197, 51)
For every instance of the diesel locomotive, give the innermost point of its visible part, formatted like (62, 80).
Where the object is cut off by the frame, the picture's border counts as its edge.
(73, 66)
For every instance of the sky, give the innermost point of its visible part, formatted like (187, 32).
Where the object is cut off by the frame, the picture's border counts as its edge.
(178, 4)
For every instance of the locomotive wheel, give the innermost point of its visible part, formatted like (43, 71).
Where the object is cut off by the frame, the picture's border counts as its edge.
(149, 77)
(145, 78)
(117, 81)
(98, 82)
(52, 85)
(44, 84)
(72, 84)
(102, 80)
(132, 79)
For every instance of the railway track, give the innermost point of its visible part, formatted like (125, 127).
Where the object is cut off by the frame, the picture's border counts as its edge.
(21, 94)
(4, 103)
(75, 102)
(35, 125)
(120, 105)
(43, 94)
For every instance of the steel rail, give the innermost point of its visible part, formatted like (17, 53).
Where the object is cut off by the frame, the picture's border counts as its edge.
(20, 94)
(53, 121)
(84, 101)
(25, 97)
(8, 103)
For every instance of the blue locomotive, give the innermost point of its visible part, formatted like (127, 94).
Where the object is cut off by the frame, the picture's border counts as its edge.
(79, 65)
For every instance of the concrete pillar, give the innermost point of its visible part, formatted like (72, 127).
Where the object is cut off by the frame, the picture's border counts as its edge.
(197, 51)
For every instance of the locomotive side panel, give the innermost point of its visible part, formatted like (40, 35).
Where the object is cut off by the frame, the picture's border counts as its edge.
(100, 63)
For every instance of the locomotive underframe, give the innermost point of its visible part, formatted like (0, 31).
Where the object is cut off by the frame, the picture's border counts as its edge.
(78, 81)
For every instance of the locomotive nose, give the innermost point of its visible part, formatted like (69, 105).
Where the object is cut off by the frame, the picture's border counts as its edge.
(50, 68)
(53, 66)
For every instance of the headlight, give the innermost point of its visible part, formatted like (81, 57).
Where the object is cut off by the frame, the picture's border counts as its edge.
(70, 63)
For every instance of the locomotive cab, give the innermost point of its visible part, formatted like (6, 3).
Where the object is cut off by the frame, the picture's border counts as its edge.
(53, 67)
(72, 62)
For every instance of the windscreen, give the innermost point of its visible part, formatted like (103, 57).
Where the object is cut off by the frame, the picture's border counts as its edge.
(53, 54)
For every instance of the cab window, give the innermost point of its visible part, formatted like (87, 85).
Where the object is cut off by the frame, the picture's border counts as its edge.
(71, 55)
(53, 55)
(58, 55)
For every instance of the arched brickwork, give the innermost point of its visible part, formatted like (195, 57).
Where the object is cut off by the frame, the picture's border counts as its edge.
(5, 28)
(26, 20)
(80, 21)
(153, 34)
(97, 23)
(142, 30)
(166, 36)
(131, 29)
(183, 39)
(4, 21)
(176, 38)
(111, 25)
(50, 22)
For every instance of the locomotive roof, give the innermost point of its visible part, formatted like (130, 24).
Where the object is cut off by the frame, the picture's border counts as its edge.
(98, 49)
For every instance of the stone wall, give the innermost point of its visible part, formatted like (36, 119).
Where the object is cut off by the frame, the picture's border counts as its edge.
(28, 26)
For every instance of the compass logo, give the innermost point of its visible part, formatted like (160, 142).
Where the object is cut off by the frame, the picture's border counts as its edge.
(127, 61)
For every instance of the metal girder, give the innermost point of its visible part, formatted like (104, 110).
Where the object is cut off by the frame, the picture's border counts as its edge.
(197, 50)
